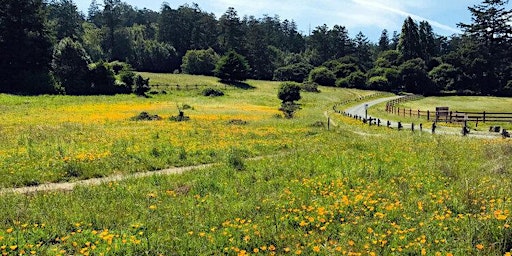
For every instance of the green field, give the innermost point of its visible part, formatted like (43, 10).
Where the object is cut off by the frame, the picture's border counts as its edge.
(353, 189)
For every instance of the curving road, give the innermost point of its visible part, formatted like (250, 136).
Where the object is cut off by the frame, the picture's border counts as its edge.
(360, 110)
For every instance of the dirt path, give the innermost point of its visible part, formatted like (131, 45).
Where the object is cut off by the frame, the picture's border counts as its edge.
(69, 186)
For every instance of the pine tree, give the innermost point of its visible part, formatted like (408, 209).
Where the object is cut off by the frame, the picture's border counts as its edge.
(231, 32)
(409, 44)
(491, 31)
(232, 67)
(363, 50)
(427, 42)
(25, 47)
(384, 43)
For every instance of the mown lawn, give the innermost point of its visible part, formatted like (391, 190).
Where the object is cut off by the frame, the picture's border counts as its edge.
(353, 190)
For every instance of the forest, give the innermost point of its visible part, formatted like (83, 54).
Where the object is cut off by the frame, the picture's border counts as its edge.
(50, 47)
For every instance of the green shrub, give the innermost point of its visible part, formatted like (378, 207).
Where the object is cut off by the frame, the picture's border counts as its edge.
(322, 76)
(211, 92)
(310, 87)
(289, 92)
(235, 159)
(289, 108)
(378, 83)
(297, 72)
(141, 86)
(145, 116)
(232, 67)
(200, 62)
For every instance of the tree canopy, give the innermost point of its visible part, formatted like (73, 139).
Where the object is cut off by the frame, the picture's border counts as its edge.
(188, 39)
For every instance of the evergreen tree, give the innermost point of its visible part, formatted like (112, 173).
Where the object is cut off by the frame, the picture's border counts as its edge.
(491, 30)
(25, 47)
(427, 41)
(70, 66)
(384, 43)
(94, 14)
(394, 41)
(112, 21)
(65, 19)
(409, 44)
(363, 51)
(258, 47)
(231, 32)
(232, 67)
(187, 28)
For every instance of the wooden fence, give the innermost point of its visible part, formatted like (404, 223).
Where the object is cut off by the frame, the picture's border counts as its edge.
(358, 99)
(448, 117)
(188, 87)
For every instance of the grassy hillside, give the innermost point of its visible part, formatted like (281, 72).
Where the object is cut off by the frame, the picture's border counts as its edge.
(353, 190)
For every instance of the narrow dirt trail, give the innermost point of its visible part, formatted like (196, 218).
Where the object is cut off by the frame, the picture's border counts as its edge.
(69, 186)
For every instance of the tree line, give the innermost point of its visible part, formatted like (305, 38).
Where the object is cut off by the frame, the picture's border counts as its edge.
(51, 47)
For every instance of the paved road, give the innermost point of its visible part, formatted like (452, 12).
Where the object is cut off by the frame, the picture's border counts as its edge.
(360, 110)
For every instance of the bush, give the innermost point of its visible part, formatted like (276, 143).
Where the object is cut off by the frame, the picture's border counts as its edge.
(200, 62)
(70, 67)
(297, 72)
(145, 116)
(102, 80)
(232, 67)
(357, 80)
(118, 66)
(343, 83)
(322, 76)
(289, 92)
(141, 86)
(354, 80)
(310, 87)
(378, 83)
(211, 92)
(289, 108)
(235, 159)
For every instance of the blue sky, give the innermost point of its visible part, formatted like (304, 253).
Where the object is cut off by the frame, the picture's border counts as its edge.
(367, 16)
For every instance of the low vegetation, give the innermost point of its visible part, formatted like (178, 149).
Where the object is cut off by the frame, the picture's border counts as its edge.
(353, 189)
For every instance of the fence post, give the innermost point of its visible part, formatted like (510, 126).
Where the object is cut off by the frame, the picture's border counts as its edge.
(410, 112)
(451, 116)
(484, 117)
(428, 115)
(419, 113)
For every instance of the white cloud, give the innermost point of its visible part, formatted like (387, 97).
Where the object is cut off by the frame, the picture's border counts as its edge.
(391, 7)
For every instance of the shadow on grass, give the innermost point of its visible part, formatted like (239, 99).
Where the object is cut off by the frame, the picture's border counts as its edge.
(238, 84)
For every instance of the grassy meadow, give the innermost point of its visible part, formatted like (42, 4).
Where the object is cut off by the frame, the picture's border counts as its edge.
(350, 190)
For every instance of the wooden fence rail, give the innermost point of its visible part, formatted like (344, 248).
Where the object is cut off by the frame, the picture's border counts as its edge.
(449, 117)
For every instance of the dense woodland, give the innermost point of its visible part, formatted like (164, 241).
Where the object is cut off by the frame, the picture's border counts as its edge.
(50, 47)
